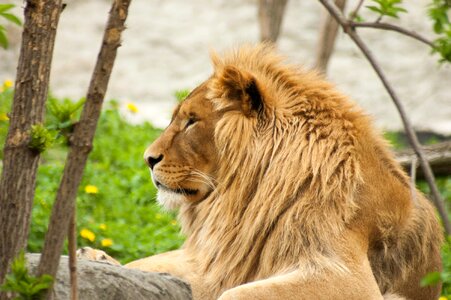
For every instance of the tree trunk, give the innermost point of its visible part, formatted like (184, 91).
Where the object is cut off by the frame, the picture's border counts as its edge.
(81, 141)
(18, 180)
(328, 34)
(270, 16)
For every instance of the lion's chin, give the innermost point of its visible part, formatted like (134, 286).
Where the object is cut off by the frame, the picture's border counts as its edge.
(169, 200)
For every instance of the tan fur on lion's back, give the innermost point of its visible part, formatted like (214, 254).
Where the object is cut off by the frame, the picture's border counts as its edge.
(285, 191)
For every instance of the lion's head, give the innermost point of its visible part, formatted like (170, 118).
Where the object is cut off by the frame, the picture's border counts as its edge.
(183, 159)
(247, 115)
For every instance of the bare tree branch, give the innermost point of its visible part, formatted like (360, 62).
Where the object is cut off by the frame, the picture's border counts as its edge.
(413, 177)
(72, 247)
(355, 12)
(391, 27)
(347, 27)
(328, 34)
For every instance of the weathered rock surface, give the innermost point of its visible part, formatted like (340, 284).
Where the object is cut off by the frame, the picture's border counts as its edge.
(101, 281)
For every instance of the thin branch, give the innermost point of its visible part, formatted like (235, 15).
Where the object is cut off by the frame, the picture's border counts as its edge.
(72, 247)
(438, 201)
(387, 26)
(413, 177)
(356, 10)
(328, 34)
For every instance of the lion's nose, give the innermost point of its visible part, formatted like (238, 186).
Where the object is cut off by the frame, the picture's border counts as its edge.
(152, 161)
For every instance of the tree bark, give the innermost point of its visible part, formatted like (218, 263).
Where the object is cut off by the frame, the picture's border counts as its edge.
(18, 180)
(438, 156)
(328, 34)
(270, 16)
(81, 141)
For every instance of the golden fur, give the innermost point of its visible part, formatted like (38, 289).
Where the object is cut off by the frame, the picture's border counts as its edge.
(300, 198)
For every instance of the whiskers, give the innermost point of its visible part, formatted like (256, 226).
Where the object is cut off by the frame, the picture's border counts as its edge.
(198, 176)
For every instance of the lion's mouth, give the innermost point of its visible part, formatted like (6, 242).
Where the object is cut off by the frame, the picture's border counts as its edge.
(181, 191)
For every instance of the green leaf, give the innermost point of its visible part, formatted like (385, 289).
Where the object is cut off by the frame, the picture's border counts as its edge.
(375, 9)
(359, 18)
(180, 95)
(40, 138)
(24, 285)
(388, 8)
(432, 278)
(438, 27)
(3, 38)
(5, 7)
(11, 18)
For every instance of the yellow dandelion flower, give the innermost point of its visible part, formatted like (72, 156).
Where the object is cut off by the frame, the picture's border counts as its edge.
(4, 117)
(102, 226)
(7, 84)
(107, 242)
(132, 107)
(91, 189)
(87, 234)
(443, 298)
(174, 222)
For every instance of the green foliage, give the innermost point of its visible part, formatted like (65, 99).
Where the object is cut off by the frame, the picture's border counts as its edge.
(446, 273)
(444, 277)
(180, 95)
(395, 140)
(6, 94)
(389, 8)
(116, 196)
(358, 18)
(124, 201)
(24, 285)
(40, 138)
(438, 12)
(62, 115)
(4, 8)
(123, 197)
(444, 186)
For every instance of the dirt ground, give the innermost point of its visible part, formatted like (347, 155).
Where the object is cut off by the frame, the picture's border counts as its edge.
(166, 45)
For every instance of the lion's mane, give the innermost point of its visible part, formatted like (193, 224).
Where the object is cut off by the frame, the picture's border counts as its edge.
(289, 181)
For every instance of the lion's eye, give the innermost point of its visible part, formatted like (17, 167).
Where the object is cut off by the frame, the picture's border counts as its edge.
(190, 122)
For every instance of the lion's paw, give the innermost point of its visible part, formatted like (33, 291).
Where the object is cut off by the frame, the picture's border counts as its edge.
(96, 255)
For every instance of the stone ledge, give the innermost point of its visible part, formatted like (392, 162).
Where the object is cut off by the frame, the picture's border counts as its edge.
(101, 281)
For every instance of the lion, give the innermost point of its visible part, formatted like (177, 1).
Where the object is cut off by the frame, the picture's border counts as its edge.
(285, 191)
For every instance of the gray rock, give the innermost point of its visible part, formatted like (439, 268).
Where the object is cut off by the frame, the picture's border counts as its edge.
(102, 281)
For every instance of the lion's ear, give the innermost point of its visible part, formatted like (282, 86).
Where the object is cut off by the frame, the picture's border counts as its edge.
(239, 85)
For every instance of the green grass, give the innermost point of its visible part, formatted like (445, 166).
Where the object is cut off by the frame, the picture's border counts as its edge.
(122, 215)
(123, 211)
